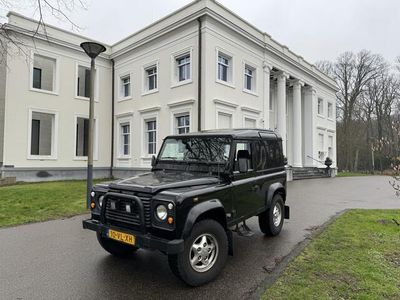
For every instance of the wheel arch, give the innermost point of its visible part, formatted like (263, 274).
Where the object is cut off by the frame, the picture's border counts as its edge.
(275, 188)
(210, 209)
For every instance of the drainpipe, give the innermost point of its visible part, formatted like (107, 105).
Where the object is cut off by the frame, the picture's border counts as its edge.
(112, 116)
(199, 78)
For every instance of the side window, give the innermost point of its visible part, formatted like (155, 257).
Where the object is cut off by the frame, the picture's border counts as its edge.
(259, 155)
(274, 153)
(241, 148)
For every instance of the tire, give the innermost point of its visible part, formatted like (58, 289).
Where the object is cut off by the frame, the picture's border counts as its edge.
(206, 232)
(268, 224)
(116, 248)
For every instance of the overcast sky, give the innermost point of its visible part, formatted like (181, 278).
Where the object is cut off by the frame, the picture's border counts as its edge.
(315, 29)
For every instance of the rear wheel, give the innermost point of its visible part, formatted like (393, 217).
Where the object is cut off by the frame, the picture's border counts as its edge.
(271, 221)
(115, 248)
(205, 254)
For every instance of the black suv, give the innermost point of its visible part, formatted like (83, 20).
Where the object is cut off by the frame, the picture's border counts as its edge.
(200, 187)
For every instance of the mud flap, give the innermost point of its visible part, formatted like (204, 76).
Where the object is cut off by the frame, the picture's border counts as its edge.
(230, 242)
(287, 212)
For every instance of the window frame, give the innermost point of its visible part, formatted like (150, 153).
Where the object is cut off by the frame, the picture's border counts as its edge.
(176, 125)
(329, 116)
(122, 135)
(121, 85)
(175, 67)
(56, 72)
(145, 77)
(146, 132)
(95, 140)
(96, 91)
(54, 134)
(230, 71)
(320, 100)
(254, 76)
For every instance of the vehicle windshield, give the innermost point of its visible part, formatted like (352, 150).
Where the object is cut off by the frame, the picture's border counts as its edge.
(199, 149)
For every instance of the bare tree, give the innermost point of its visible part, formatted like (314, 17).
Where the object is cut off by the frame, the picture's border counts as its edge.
(60, 9)
(353, 72)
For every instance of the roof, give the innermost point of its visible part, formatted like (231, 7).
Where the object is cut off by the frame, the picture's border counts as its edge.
(169, 23)
(234, 133)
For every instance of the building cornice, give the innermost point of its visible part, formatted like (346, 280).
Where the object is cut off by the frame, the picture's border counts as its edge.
(185, 15)
(226, 103)
(181, 103)
(149, 109)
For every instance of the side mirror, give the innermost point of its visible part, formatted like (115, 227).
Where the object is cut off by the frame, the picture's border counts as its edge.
(153, 161)
(285, 162)
(243, 164)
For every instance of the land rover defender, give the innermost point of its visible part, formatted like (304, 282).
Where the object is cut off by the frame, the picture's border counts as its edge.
(202, 185)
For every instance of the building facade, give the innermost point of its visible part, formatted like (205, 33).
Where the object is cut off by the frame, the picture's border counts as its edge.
(201, 67)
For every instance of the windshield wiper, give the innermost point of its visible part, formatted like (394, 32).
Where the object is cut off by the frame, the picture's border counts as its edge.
(169, 157)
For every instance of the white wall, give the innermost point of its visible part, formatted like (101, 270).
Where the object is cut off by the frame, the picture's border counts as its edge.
(21, 98)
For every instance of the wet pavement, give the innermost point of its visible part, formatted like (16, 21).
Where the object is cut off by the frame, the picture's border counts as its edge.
(60, 260)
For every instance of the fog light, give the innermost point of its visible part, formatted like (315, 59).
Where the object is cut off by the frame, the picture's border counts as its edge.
(92, 205)
(92, 194)
(170, 206)
(170, 220)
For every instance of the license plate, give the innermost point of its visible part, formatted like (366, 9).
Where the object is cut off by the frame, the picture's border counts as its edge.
(122, 237)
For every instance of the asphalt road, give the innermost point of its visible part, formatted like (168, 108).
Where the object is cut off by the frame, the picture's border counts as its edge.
(60, 260)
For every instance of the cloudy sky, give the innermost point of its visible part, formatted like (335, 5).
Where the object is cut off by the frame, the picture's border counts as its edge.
(315, 29)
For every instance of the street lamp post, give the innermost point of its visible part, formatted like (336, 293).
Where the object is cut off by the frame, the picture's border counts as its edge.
(92, 49)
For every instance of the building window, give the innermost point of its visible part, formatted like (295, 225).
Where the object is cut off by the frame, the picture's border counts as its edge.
(125, 139)
(182, 124)
(125, 88)
(321, 146)
(42, 127)
(224, 120)
(44, 73)
(330, 110)
(249, 78)
(151, 136)
(151, 78)
(183, 67)
(320, 106)
(82, 133)
(224, 67)
(83, 84)
(330, 147)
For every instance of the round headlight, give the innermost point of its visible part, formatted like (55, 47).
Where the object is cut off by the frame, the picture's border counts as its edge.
(161, 212)
(101, 201)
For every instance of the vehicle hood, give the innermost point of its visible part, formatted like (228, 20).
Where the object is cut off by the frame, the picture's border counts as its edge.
(157, 181)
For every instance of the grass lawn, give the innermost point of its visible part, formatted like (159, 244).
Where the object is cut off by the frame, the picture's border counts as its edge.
(32, 202)
(356, 257)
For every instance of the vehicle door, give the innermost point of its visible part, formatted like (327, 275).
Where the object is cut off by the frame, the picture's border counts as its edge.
(244, 197)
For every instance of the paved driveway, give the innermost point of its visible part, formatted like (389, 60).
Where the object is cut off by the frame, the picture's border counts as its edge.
(60, 260)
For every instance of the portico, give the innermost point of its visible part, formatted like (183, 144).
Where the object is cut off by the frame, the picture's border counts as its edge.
(291, 104)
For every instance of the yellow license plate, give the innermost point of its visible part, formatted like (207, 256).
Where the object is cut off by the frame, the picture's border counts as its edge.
(122, 237)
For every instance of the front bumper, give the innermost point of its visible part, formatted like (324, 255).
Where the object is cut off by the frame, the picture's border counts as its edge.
(146, 241)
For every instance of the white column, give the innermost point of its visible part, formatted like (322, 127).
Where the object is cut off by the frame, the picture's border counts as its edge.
(310, 146)
(281, 108)
(266, 80)
(297, 124)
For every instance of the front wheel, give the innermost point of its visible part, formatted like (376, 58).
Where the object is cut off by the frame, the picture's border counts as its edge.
(205, 254)
(271, 221)
(114, 247)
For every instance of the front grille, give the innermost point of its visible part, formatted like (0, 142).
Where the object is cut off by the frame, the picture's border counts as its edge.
(117, 214)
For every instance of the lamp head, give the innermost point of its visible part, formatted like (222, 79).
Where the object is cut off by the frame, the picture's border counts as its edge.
(92, 49)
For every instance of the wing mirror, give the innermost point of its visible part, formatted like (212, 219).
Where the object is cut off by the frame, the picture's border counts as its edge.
(153, 161)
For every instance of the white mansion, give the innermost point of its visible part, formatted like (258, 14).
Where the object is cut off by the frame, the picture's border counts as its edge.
(201, 67)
